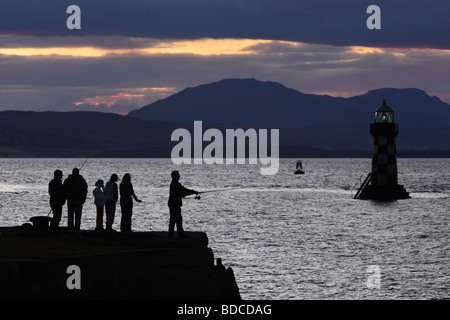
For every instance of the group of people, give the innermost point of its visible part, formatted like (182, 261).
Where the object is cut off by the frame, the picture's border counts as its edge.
(106, 197)
(74, 190)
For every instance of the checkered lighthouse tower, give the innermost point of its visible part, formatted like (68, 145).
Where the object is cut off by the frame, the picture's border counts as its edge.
(382, 182)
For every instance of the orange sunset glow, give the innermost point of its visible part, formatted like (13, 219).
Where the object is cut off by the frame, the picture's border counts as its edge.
(196, 47)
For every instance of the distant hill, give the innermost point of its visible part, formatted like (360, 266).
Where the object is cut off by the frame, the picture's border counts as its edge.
(96, 134)
(271, 104)
(27, 133)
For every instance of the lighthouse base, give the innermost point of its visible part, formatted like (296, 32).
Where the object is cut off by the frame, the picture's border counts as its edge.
(383, 193)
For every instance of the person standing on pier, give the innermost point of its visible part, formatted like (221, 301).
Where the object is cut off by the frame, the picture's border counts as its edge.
(176, 194)
(112, 195)
(126, 202)
(75, 189)
(99, 201)
(57, 199)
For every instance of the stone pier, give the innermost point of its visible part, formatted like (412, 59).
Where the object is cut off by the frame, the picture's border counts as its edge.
(137, 265)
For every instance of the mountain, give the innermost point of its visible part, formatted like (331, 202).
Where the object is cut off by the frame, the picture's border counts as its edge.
(412, 107)
(271, 104)
(240, 101)
(307, 119)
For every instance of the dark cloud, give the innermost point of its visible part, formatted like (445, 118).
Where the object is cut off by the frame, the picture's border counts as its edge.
(68, 41)
(415, 23)
(314, 56)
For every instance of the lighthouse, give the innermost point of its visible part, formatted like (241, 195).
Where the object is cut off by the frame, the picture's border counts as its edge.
(382, 182)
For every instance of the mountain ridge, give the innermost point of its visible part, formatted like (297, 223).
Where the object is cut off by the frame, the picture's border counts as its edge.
(270, 103)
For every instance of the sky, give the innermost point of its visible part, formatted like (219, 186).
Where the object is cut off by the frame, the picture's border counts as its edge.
(129, 53)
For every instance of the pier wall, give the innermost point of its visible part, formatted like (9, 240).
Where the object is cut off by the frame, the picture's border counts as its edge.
(144, 273)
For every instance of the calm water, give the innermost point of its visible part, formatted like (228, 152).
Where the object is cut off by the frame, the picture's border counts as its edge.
(285, 236)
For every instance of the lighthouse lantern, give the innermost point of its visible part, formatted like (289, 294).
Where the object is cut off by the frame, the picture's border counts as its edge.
(384, 114)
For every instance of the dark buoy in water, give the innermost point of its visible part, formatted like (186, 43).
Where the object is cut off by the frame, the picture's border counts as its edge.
(299, 167)
(382, 182)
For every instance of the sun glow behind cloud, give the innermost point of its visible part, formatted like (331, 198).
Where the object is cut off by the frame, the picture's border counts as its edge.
(207, 47)
(58, 51)
(202, 47)
(161, 64)
(137, 95)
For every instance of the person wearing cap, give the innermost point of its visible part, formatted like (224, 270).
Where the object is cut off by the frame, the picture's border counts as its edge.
(176, 194)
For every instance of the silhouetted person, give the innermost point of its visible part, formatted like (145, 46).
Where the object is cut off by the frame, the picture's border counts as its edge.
(126, 202)
(112, 195)
(75, 189)
(99, 201)
(57, 199)
(177, 192)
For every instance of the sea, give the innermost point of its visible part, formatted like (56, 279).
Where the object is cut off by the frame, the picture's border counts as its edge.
(286, 236)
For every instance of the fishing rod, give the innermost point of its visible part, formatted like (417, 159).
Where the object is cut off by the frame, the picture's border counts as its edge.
(83, 164)
(197, 197)
(218, 190)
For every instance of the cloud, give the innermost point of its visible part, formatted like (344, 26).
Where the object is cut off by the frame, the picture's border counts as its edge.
(117, 108)
(412, 23)
(108, 101)
(123, 102)
(123, 82)
(95, 46)
(103, 42)
(126, 47)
